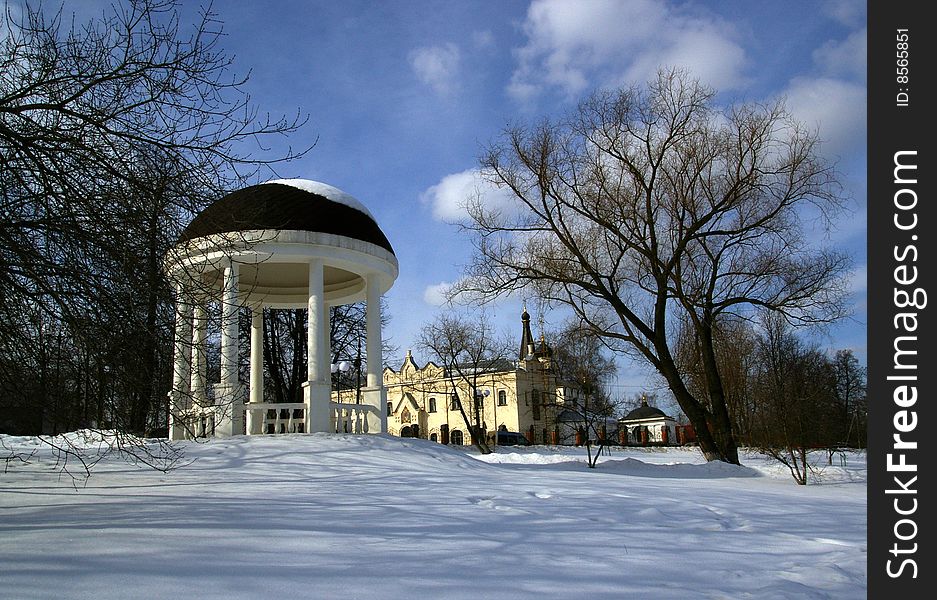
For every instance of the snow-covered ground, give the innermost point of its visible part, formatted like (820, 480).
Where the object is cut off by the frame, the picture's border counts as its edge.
(331, 516)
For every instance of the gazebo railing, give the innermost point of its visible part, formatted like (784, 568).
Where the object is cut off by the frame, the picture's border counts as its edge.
(351, 418)
(198, 422)
(271, 418)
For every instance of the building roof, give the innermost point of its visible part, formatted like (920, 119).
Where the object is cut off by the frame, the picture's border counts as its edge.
(288, 204)
(645, 412)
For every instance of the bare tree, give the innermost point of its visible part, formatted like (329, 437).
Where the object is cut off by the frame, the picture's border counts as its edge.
(468, 351)
(796, 412)
(284, 348)
(645, 207)
(284, 342)
(735, 343)
(850, 393)
(348, 335)
(113, 133)
(580, 360)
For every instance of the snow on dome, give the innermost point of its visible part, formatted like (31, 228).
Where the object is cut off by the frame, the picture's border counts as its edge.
(326, 191)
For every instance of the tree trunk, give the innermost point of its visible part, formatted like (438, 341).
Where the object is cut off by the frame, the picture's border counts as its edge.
(273, 355)
(298, 326)
(720, 422)
(714, 435)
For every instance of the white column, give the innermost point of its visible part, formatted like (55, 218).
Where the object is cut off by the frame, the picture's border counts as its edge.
(257, 367)
(325, 342)
(199, 329)
(229, 326)
(373, 339)
(181, 379)
(316, 316)
(375, 394)
(316, 388)
(229, 394)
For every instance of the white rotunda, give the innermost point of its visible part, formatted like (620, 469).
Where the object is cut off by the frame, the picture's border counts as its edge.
(286, 243)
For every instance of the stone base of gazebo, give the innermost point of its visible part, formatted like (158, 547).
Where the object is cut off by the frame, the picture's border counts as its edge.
(273, 418)
(316, 397)
(229, 409)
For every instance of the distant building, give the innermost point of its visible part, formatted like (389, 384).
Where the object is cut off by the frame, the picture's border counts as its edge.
(522, 395)
(648, 425)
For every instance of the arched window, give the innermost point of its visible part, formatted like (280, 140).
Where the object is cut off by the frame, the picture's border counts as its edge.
(535, 404)
(455, 437)
(502, 398)
(390, 408)
(432, 405)
(454, 402)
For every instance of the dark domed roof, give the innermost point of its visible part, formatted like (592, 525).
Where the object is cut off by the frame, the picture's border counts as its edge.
(644, 412)
(288, 204)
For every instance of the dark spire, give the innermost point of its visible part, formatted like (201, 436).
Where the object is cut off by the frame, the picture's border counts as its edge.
(527, 339)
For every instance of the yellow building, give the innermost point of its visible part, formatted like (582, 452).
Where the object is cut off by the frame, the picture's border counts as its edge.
(522, 395)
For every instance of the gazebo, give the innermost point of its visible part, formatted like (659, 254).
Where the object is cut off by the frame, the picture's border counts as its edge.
(286, 243)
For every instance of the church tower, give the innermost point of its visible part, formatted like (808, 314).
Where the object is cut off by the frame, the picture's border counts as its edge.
(527, 339)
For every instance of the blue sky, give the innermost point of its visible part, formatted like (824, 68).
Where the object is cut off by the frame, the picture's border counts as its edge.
(402, 95)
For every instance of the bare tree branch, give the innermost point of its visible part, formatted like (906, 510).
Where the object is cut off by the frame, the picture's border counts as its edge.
(648, 208)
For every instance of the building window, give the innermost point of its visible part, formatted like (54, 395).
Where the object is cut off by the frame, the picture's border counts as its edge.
(455, 437)
(502, 398)
(479, 402)
(535, 404)
(390, 408)
(454, 402)
(432, 405)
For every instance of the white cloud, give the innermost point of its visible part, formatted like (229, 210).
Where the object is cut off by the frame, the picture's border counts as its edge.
(521, 91)
(846, 12)
(437, 66)
(715, 60)
(449, 197)
(574, 46)
(858, 279)
(435, 295)
(836, 107)
(483, 40)
(847, 57)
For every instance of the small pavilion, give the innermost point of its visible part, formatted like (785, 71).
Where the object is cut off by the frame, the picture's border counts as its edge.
(286, 243)
(648, 424)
